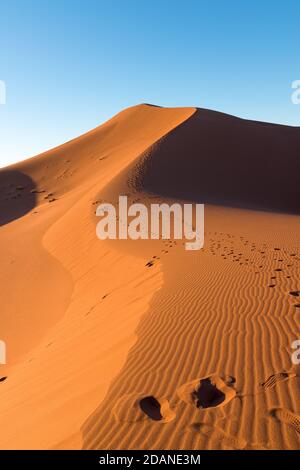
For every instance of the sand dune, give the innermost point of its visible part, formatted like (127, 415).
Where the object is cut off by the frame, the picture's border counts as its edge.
(141, 344)
(221, 159)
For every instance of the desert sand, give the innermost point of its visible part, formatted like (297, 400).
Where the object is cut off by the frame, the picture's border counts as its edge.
(142, 344)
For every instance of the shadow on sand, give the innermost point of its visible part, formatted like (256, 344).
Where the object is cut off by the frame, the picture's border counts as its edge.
(17, 196)
(219, 159)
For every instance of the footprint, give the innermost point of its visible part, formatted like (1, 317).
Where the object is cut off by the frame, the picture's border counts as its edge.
(136, 407)
(36, 191)
(274, 379)
(295, 293)
(229, 379)
(207, 392)
(287, 417)
(149, 264)
(157, 410)
(271, 382)
(220, 435)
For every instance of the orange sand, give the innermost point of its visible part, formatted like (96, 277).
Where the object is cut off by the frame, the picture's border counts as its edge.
(191, 352)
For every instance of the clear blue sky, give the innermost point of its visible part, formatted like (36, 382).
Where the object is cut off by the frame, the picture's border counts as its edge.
(69, 65)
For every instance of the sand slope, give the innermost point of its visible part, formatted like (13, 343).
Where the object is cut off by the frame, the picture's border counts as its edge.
(190, 351)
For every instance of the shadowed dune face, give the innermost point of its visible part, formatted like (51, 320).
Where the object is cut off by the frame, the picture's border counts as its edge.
(219, 159)
(17, 195)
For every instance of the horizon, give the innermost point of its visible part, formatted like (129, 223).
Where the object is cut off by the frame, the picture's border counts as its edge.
(60, 73)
